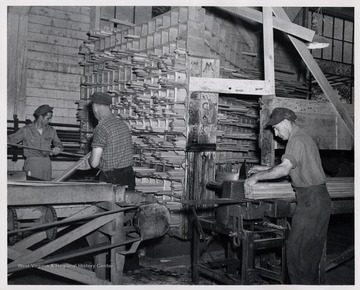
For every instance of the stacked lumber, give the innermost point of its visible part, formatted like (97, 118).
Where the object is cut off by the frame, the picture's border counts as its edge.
(237, 131)
(338, 187)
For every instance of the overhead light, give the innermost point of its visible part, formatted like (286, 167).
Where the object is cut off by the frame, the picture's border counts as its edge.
(318, 41)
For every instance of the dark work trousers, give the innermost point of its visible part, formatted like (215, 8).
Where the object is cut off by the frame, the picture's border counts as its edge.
(308, 234)
(122, 176)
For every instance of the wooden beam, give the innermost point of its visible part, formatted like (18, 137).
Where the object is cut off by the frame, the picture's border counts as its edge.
(122, 22)
(314, 68)
(64, 270)
(63, 240)
(230, 86)
(280, 24)
(268, 36)
(38, 193)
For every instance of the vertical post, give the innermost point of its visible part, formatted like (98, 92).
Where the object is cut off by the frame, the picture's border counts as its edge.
(17, 37)
(201, 135)
(268, 37)
(118, 235)
(266, 137)
(266, 141)
(16, 128)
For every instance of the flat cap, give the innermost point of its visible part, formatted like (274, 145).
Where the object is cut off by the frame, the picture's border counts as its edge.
(279, 114)
(101, 98)
(43, 109)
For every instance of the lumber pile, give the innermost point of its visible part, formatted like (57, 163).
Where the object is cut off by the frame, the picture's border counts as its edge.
(338, 187)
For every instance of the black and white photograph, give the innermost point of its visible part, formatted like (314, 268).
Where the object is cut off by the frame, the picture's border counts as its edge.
(189, 145)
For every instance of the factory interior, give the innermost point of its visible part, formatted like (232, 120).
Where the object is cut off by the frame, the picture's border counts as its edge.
(197, 87)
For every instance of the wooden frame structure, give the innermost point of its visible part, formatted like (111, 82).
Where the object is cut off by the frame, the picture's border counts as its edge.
(282, 22)
(275, 17)
(92, 210)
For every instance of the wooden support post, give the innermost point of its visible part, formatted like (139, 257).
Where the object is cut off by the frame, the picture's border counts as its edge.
(117, 259)
(100, 263)
(201, 130)
(268, 36)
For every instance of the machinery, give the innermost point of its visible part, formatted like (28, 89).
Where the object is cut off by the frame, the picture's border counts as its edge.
(253, 234)
(44, 217)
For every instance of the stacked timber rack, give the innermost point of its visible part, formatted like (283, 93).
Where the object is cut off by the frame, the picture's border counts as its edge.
(237, 131)
(146, 69)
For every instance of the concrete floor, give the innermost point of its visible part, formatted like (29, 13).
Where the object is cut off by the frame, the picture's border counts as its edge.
(176, 270)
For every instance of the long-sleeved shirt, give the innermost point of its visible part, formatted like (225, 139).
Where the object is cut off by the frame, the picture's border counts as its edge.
(30, 136)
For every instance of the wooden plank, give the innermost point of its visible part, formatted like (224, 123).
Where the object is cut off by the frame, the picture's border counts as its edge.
(59, 14)
(55, 67)
(230, 86)
(64, 270)
(56, 49)
(54, 85)
(63, 240)
(57, 193)
(338, 187)
(54, 39)
(17, 38)
(50, 94)
(61, 23)
(268, 35)
(61, 32)
(53, 76)
(314, 68)
(280, 24)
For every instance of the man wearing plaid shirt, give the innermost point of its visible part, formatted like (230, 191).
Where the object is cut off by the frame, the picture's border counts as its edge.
(112, 147)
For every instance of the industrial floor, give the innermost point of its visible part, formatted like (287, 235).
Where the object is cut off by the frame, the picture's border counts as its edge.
(176, 270)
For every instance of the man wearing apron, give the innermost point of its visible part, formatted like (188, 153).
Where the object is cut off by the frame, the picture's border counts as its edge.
(311, 219)
(41, 135)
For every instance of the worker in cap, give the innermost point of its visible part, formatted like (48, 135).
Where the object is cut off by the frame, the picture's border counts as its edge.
(41, 135)
(112, 147)
(301, 161)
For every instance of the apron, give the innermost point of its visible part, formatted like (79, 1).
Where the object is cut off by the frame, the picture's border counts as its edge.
(38, 167)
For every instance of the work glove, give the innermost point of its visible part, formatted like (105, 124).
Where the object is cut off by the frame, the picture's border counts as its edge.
(84, 164)
(55, 151)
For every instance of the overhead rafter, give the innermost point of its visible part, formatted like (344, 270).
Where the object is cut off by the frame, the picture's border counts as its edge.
(284, 25)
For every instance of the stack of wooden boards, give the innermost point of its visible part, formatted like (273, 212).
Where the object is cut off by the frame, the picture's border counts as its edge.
(338, 187)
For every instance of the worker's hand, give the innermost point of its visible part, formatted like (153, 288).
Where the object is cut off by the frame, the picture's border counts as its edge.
(249, 183)
(84, 164)
(257, 168)
(55, 151)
